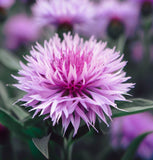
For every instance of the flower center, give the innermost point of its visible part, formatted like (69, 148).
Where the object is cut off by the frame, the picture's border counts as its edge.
(73, 89)
(115, 28)
(146, 8)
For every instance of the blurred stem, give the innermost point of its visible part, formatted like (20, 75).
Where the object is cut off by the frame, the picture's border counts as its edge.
(121, 43)
(146, 43)
(67, 150)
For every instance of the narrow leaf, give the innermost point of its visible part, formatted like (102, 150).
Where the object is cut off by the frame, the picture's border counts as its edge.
(8, 104)
(136, 106)
(3, 92)
(129, 154)
(9, 60)
(42, 145)
(9, 121)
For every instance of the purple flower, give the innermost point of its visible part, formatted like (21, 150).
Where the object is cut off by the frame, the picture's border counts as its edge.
(125, 130)
(6, 3)
(117, 18)
(20, 29)
(73, 80)
(57, 12)
(145, 6)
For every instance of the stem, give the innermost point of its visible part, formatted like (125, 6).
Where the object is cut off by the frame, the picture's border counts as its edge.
(67, 152)
(121, 43)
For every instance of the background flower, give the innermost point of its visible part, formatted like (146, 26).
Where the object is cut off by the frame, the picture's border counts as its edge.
(126, 129)
(20, 29)
(56, 12)
(6, 3)
(117, 18)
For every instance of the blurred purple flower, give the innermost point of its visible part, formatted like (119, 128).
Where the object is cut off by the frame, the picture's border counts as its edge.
(5, 4)
(145, 6)
(57, 12)
(20, 29)
(117, 17)
(73, 79)
(124, 130)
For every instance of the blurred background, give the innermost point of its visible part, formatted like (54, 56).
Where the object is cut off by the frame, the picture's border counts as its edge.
(125, 24)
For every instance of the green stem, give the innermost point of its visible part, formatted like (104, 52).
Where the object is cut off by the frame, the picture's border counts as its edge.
(121, 43)
(67, 151)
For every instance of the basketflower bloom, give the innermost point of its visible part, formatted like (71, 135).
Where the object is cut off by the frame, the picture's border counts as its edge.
(124, 130)
(73, 80)
(20, 29)
(62, 14)
(117, 18)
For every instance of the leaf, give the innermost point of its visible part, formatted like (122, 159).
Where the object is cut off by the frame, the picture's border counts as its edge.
(42, 145)
(9, 60)
(136, 106)
(129, 154)
(18, 111)
(12, 124)
(3, 92)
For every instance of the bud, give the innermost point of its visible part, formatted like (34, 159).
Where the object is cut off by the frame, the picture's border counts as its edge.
(3, 14)
(115, 28)
(146, 8)
(64, 27)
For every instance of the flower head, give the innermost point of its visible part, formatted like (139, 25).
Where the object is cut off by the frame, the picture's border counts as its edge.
(73, 80)
(57, 12)
(125, 130)
(117, 18)
(20, 29)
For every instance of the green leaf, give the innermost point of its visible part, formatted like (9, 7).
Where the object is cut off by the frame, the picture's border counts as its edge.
(136, 106)
(20, 113)
(3, 92)
(129, 154)
(11, 123)
(8, 104)
(9, 60)
(42, 145)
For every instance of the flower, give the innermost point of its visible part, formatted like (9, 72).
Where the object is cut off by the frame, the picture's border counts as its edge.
(5, 4)
(145, 6)
(117, 18)
(124, 130)
(20, 29)
(73, 80)
(57, 12)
